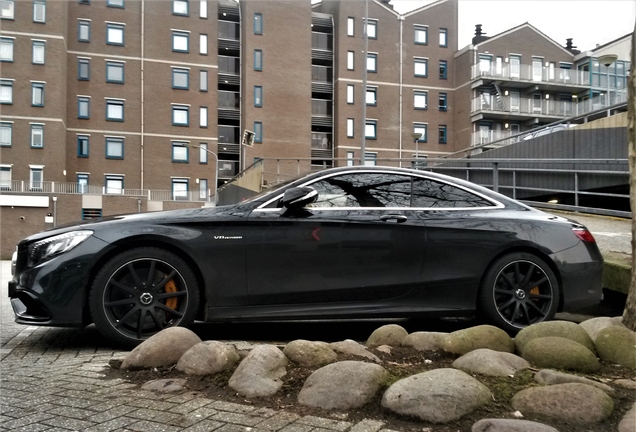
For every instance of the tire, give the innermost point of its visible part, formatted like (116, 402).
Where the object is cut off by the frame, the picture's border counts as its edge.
(517, 290)
(141, 292)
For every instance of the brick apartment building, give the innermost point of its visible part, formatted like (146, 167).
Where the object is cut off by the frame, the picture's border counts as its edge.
(110, 106)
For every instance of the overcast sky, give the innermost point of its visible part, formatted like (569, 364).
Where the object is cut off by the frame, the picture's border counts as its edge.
(588, 22)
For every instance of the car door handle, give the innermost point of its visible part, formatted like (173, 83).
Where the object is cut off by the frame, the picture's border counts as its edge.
(393, 218)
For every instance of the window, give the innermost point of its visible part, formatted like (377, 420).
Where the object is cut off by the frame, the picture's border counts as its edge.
(421, 128)
(351, 26)
(203, 80)
(180, 41)
(258, 96)
(443, 69)
(420, 100)
(442, 134)
(39, 11)
(370, 129)
(179, 189)
(36, 177)
(350, 158)
(84, 31)
(350, 130)
(6, 49)
(372, 29)
(37, 135)
(203, 189)
(180, 152)
(114, 34)
(82, 187)
(350, 90)
(6, 130)
(114, 72)
(6, 9)
(372, 96)
(350, 60)
(5, 177)
(443, 37)
(258, 60)
(421, 67)
(114, 148)
(258, 23)
(114, 184)
(203, 117)
(372, 62)
(180, 78)
(37, 94)
(6, 92)
(37, 52)
(180, 115)
(83, 107)
(203, 9)
(443, 104)
(203, 44)
(114, 110)
(115, 3)
(83, 69)
(370, 159)
(421, 35)
(203, 153)
(180, 7)
(82, 146)
(258, 132)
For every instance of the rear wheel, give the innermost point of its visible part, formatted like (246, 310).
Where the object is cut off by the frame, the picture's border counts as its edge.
(141, 292)
(519, 289)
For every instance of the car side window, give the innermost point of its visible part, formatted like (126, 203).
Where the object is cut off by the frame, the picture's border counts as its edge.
(363, 190)
(433, 194)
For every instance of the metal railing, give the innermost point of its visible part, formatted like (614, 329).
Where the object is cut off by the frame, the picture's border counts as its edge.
(525, 72)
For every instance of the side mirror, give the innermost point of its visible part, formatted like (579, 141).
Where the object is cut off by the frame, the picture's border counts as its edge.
(299, 197)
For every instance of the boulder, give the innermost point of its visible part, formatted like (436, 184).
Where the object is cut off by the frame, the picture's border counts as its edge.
(310, 354)
(617, 345)
(572, 403)
(353, 348)
(563, 329)
(560, 353)
(437, 396)
(391, 334)
(508, 425)
(208, 358)
(488, 362)
(425, 341)
(162, 349)
(628, 422)
(594, 325)
(550, 377)
(165, 385)
(483, 336)
(342, 385)
(625, 383)
(259, 373)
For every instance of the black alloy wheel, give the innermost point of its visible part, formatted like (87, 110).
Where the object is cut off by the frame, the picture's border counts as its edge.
(519, 289)
(141, 292)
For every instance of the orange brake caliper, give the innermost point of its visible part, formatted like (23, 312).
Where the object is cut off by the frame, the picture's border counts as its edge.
(171, 287)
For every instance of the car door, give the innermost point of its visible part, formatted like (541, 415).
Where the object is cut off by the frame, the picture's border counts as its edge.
(359, 242)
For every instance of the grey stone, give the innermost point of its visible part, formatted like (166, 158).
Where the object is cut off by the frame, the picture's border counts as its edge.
(550, 377)
(162, 349)
(483, 336)
(310, 354)
(625, 383)
(352, 347)
(437, 396)
(563, 329)
(617, 345)
(573, 403)
(509, 425)
(594, 325)
(628, 422)
(488, 362)
(391, 334)
(425, 341)
(165, 385)
(208, 358)
(342, 385)
(560, 353)
(260, 373)
(386, 349)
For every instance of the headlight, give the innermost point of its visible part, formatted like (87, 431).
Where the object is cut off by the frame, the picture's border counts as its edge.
(56, 245)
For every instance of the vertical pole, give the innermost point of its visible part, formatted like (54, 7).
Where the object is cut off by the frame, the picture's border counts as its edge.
(54, 211)
(363, 145)
(495, 176)
(576, 189)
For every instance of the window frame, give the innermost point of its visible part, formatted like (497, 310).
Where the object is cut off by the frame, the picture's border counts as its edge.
(350, 94)
(258, 132)
(203, 117)
(203, 44)
(181, 2)
(113, 178)
(203, 153)
(203, 9)
(203, 189)
(180, 181)
(83, 23)
(4, 126)
(10, 3)
(443, 69)
(442, 134)
(374, 124)
(203, 81)
(418, 128)
(5, 83)
(113, 27)
(373, 91)
(178, 34)
(111, 141)
(41, 3)
(258, 25)
(83, 100)
(258, 96)
(443, 31)
(81, 179)
(7, 41)
(442, 96)
(181, 72)
(423, 94)
(351, 131)
(351, 26)
(36, 184)
(421, 61)
(420, 29)
(351, 60)
(83, 143)
(115, 65)
(372, 23)
(36, 129)
(115, 102)
(41, 44)
(374, 58)
(116, 4)
(182, 147)
(179, 108)
(258, 60)
(83, 61)
(35, 86)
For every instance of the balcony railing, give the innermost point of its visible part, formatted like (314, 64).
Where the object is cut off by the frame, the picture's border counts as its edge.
(532, 74)
(321, 74)
(229, 65)
(229, 100)
(229, 134)
(229, 30)
(228, 169)
(321, 108)
(321, 41)
(321, 141)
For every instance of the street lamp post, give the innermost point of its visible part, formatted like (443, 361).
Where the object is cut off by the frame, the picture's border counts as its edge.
(607, 60)
(216, 167)
(416, 139)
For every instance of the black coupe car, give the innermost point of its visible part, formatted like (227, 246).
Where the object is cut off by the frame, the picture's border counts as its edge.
(351, 242)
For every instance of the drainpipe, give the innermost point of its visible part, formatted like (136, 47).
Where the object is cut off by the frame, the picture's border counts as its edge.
(143, 19)
(54, 211)
(363, 148)
(401, 119)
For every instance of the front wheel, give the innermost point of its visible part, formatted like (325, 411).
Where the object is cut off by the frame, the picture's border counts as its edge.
(519, 289)
(141, 292)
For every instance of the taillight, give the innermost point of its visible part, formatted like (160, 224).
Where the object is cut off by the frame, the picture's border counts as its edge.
(584, 235)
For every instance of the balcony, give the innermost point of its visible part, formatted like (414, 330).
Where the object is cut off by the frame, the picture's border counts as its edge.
(527, 74)
(321, 141)
(321, 79)
(229, 135)
(229, 30)
(229, 70)
(228, 169)
(229, 105)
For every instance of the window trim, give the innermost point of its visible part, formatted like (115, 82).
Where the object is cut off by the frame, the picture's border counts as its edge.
(114, 140)
(443, 31)
(181, 108)
(187, 7)
(83, 23)
(203, 9)
(36, 127)
(34, 86)
(374, 24)
(374, 123)
(81, 186)
(420, 28)
(373, 56)
(9, 84)
(32, 170)
(183, 181)
(351, 130)
(180, 145)
(9, 126)
(443, 69)
(117, 178)
(87, 101)
(203, 117)
(119, 65)
(416, 61)
(258, 101)
(424, 137)
(373, 90)
(110, 3)
(87, 62)
(181, 72)
(8, 41)
(442, 128)
(258, 132)
(203, 153)
(351, 26)
(258, 25)
(12, 3)
(80, 152)
(443, 95)
(203, 47)
(351, 60)
(115, 102)
(258, 60)
(181, 34)
(351, 94)
(38, 43)
(43, 4)
(423, 93)
(202, 87)
(113, 26)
